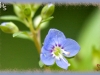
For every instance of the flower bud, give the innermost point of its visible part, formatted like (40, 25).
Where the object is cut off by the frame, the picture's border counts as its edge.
(47, 11)
(35, 6)
(27, 12)
(37, 20)
(18, 11)
(9, 27)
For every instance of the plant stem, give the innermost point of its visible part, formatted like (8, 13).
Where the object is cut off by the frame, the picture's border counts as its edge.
(39, 36)
(35, 36)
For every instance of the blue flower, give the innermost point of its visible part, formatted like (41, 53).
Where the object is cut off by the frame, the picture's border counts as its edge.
(56, 46)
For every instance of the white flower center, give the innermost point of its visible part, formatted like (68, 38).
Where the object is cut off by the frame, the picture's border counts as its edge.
(58, 52)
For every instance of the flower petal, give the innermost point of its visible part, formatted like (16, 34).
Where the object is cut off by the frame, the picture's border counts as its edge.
(45, 51)
(62, 62)
(47, 60)
(70, 46)
(52, 38)
(46, 57)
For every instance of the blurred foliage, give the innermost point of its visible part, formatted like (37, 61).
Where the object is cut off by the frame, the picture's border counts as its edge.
(77, 22)
(89, 38)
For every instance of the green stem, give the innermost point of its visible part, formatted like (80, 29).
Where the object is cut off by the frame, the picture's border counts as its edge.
(35, 36)
(39, 36)
(25, 22)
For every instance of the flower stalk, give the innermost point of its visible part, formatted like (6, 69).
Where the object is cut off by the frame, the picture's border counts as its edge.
(36, 35)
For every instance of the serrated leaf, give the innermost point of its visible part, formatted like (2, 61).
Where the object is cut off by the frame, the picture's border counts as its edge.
(41, 64)
(23, 35)
(48, 19)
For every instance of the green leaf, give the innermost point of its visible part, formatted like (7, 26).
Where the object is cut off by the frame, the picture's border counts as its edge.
(48, 19)
(10, 17)
(23, 35)
(14, 18)
(41, 64)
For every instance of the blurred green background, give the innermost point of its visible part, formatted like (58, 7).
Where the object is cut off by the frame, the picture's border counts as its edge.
(79, 22)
